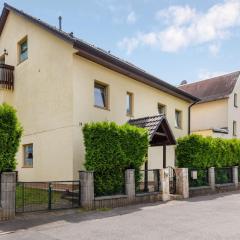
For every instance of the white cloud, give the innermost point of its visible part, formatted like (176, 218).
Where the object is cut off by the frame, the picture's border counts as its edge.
(214, 49)
(188, 27)
(131, 18)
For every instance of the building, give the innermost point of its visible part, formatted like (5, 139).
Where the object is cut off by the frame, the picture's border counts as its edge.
(218, 113)
(58, 83)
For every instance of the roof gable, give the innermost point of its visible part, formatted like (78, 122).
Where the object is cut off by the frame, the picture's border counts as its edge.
(214, 88)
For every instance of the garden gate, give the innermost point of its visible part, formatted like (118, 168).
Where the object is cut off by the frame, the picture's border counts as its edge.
(37, 196)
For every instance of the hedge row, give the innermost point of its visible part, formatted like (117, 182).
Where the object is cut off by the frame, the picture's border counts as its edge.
(110, 150)
(195, 151)
(10, 135)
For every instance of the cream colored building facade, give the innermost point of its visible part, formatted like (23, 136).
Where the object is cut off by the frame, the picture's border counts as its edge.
(218, 112)
(54, 97)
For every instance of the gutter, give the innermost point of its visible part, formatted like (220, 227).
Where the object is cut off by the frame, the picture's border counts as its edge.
(189, 116)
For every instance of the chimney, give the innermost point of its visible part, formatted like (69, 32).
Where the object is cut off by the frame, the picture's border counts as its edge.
(60, 22)
(183, 82)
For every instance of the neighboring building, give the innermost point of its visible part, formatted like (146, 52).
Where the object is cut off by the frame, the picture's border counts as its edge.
(218, 112)
(58, 83)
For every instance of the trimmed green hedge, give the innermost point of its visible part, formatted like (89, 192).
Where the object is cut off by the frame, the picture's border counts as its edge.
(10, 135)
(195, 151)
(110, 150)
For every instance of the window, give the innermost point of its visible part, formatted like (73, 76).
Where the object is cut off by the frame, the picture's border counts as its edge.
(178, 119)
(100, 95)
(23, 50)
(2, 59)
(234, 128)
(28, 155)
(235, 100)
(161, 108)
(129, 104)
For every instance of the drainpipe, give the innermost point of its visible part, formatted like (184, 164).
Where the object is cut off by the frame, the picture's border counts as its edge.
(189, 117)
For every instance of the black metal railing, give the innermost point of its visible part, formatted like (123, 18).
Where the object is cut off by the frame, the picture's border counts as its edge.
(198, 177)
(147, 181)
(37, 196)
(6, 76)
(223, 175)
(109, 183)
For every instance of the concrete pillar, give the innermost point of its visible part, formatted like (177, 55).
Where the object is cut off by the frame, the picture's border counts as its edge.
(8, 191)
(164, 179)
(130, 184)
(235, 176)
(87, 189)
(182, 184)
(211, 178)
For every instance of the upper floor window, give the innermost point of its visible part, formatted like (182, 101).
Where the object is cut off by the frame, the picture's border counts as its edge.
(100, 95)
(129, 104)
(178, 119)
(161, 108)
(234, 128)
(23, 50)
(2, 59)
(28, 155)
(235, 100)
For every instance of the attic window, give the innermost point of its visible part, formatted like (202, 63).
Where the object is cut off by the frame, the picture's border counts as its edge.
(23, 50)
(235, 100)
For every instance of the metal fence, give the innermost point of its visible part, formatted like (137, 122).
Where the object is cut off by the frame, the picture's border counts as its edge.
(37, 196)
(223, 175)
(109, 183)
(198, 177)
(148, 181)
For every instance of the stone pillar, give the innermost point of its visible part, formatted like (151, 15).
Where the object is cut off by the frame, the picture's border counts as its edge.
(87, 189)
(211, 178)
(182, 184)
(235, 176)
(130, 184)
(164, 179)
(8, 191)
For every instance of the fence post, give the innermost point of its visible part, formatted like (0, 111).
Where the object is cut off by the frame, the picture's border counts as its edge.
(130, 183)
(235, 176)
(182, 183)
(211, 178)
(164, 179)
(8, 192)
(87, 189)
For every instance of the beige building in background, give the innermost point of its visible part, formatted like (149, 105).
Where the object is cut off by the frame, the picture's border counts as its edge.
(61, 83)
(218, 112)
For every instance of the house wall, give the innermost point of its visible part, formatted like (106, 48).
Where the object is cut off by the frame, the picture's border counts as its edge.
(209, 115)
(42, 97)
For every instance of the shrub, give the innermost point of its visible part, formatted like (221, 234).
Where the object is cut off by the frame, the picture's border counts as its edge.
(10, 135)
(110, 150)
(195, 151)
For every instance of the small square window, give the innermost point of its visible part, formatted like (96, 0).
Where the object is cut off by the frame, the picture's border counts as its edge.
(129, 104)
(100, 95)
(28, 155)
(235, 100)
(23, 50)
(234, 128)
(161, 109)
(178, 119)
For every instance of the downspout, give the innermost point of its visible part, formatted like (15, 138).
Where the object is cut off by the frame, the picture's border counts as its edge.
(189, 117)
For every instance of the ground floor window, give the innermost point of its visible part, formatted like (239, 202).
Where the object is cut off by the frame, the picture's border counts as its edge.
(28, 155)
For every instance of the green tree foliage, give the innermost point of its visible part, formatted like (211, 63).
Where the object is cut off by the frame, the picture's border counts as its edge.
(110, 150)
(10, 135)
(195, 151)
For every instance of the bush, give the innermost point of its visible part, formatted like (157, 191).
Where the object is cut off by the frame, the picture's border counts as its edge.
(195, 151)
(10, 135)
(110, 150)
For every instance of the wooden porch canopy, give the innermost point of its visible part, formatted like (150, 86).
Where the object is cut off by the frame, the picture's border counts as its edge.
(160, 133)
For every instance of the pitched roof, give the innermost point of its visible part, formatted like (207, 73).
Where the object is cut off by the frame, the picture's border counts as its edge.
(214, 88)
(159, 131)
(101, 56)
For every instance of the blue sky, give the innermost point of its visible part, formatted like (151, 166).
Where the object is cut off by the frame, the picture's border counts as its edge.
(171, 39)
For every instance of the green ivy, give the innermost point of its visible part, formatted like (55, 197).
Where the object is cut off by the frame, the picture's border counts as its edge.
(10, 135)
(195, 151)
(110, 150)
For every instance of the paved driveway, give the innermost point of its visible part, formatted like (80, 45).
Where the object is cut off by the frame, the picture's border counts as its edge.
(210, 217)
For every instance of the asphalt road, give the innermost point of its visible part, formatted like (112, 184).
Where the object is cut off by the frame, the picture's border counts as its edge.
(209, 217)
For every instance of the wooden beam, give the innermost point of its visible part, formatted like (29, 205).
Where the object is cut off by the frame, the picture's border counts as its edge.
(164, 157)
